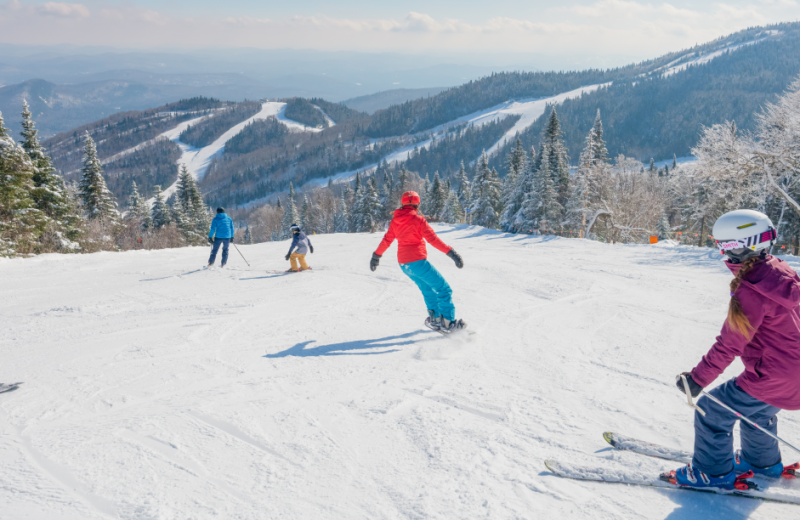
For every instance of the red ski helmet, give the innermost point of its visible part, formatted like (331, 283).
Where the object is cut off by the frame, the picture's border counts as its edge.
(410, 198)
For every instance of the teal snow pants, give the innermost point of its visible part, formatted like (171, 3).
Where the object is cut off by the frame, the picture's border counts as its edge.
(435, 289)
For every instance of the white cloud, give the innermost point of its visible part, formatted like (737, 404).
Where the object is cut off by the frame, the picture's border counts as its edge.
(63, 10)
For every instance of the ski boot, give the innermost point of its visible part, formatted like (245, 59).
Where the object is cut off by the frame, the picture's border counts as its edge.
(740, 465)
(432, 322)
(688, 476)
(448, 326)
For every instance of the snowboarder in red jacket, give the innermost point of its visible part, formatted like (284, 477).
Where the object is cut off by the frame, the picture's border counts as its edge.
(411, 230)
(763, 329)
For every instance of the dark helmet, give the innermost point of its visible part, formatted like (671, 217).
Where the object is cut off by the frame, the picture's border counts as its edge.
(220, 210)
(294, 228)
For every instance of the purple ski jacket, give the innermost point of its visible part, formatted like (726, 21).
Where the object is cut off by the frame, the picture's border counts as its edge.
(769, 295)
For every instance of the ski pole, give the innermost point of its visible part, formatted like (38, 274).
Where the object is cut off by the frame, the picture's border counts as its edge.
(748, 421)
(689, 396)
(240, 254)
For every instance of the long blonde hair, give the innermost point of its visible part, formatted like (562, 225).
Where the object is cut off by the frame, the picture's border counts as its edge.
(737, 320)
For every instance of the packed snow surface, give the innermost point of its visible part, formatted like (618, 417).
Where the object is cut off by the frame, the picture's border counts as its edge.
(158, 390)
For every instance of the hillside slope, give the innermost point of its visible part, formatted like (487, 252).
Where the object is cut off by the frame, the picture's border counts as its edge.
(154, 389)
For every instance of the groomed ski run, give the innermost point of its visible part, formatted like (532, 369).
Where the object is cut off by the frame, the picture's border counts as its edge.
(155, 389)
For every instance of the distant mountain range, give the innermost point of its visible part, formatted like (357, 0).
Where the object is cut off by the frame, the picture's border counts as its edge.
(652, 109)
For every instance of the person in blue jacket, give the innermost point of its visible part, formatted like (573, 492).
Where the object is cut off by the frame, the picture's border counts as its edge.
(221, 233)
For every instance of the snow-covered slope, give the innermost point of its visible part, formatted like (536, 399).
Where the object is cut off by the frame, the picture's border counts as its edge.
(530, 110)
(154, 389)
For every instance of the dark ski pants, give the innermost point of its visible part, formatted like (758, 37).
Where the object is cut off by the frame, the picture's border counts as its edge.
(435, 289)
(225, 244)
(713, 433)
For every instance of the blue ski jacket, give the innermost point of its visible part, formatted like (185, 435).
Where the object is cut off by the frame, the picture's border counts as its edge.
(221, 226)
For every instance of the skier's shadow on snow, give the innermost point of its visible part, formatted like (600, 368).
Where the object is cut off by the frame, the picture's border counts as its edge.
(347, 348)
(691, 506)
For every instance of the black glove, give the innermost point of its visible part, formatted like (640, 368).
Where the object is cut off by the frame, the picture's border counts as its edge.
(456, 258)
(311, 248)
(210, 240)
(231, 240)
(376, 259)
(694, 388)
(288, 255)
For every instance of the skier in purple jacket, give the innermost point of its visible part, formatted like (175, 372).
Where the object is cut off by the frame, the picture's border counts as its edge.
(763, 329)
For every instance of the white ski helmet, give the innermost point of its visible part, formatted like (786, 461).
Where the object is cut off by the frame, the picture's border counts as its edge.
(744, 229)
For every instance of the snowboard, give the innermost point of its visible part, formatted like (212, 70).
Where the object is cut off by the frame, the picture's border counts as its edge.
(10, 387)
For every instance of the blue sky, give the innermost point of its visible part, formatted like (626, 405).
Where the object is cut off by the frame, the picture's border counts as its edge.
(627, 28)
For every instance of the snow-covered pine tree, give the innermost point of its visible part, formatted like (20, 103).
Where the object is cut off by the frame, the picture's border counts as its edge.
(674, 161)
(138, 209)
(464, 187)
(438, 197)
(453, 213)
(181, 220)
(652, 168)
(290, 214)
(278, 205)
(159, 213)
(599, 150)
(49, 193)
(550, 210)
(194, 211)
(558, 159)
(402, 181)
(373, 209)
(98, 201)
(486, 193)
(248, 238)
(388, 196)
(308, 220)
(21, 223)
(516, 163)
(341, 219)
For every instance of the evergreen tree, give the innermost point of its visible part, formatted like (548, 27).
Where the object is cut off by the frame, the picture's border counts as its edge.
(549, 209)
(20, 222)
(137, 209)
(193, 210)
(49, 193)
(674, 161)
(181, 220)
(341, 219)
(486, 190)
(98, 201)
(652, 168)
(248, 238)
(453, 213)
(290, 215)
(278, 205)
(308, 220)
(355, 205)
(599, 150)
(437, 196)
(464, 188)
(159, 213)
(513, 196)
(558, 157)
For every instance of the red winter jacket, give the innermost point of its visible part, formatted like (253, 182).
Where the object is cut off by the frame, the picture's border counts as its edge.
(410, 228)
(770, 295)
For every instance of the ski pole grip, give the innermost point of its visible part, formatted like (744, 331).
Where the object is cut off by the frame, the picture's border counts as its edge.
(689, 396)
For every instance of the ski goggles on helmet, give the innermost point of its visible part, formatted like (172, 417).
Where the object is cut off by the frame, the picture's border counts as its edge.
(749, 242)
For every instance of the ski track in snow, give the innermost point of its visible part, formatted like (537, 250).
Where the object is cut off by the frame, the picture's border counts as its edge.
(705, 58)
(155, 389)
(530, 110)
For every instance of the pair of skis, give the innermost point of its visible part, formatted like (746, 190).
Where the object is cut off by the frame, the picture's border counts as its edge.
(640, 478)
(8, 387)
